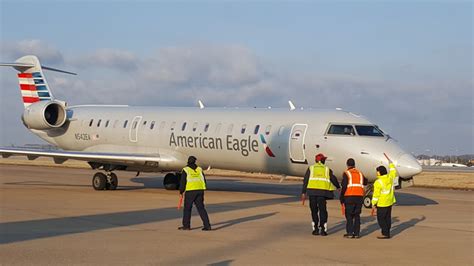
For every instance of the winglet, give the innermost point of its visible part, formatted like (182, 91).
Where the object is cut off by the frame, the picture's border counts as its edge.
(201, 105)
(292, 106)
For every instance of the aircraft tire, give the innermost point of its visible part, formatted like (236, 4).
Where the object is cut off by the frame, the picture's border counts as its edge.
(99, 181)
(368, 201)
(113, 182)
(171, 182)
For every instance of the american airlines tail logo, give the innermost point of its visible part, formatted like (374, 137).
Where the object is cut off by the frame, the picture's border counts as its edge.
(33, 88)
(265, 146)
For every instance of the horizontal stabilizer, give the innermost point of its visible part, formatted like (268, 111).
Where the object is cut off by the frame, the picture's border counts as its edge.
(24, 66)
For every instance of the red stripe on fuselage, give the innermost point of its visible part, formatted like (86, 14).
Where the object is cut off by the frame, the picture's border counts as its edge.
(25, 75)
(30, 99)
(27, 87)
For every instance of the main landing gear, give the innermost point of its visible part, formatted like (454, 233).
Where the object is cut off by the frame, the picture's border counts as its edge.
(171, 181)
(107, 181)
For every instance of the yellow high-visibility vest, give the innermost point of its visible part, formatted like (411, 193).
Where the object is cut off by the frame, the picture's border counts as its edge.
(194, 179)
(319, 177)
(383, 189)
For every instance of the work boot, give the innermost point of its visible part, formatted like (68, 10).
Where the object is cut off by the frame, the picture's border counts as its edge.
(184, 228)
(315, 233)
(356, 236)
(206, 229)
(347, 235)
(383, 237)
(323, 232)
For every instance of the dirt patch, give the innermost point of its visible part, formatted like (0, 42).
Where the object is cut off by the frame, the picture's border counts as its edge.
(457, 180)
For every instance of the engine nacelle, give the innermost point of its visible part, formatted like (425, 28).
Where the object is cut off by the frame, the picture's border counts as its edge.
(45, 115)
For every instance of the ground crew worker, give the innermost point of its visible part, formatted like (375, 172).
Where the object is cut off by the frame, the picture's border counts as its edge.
(319, 184)
(383, 198)
(352, 196)
(193, 184)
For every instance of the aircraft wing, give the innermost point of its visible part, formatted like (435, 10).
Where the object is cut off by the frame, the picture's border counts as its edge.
(59, 156)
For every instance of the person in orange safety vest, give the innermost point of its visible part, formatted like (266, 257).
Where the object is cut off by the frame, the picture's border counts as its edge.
(352, 196)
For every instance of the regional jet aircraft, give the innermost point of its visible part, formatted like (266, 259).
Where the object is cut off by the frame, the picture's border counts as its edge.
(159, 139)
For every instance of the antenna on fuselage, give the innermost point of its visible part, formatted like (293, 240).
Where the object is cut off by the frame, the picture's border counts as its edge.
(201, 105)
(292, 106)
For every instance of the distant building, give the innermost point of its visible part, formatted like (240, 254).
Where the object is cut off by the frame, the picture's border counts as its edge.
(429, 162)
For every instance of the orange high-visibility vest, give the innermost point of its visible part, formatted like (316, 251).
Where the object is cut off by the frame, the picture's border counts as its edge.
(355, 183)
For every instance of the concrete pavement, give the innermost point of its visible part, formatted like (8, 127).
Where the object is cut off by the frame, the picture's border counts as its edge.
(53, 216)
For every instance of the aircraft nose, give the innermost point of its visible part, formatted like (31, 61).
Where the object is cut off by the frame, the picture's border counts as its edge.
(408, 166)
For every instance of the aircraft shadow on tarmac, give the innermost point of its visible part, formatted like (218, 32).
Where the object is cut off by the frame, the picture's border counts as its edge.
(285, 189)
(409, 199)
(11, 232)
(221, 263)
(231, 185)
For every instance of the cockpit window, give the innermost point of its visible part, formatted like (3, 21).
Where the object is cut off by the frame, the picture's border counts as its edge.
(341, 130)
(372, 131)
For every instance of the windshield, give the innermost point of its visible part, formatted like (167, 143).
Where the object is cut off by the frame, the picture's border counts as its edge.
(372, 131)
(341, 130)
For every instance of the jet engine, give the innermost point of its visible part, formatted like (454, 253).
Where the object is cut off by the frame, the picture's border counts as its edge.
(45, 115)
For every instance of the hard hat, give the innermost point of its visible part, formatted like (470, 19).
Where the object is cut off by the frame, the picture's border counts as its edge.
(319, 157)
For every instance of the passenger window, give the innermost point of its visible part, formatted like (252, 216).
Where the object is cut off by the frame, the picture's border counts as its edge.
(152, 124)
(206, 127)
(172, 126)
(107, 123)
(281, 130)
(125, 123)
(134, 124)
(371, 131)
(91, 122)
(98, 123)
(195, 125)
(230, 128)
(341, 130)
(144, 123)
(268, 129)
(218, 128)
(257, 128)
(244, 127)
(184, 126)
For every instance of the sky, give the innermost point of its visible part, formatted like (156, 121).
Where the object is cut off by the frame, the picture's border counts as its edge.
(405, 65)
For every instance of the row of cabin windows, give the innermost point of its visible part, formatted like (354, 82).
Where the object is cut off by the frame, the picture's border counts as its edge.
(230, 128)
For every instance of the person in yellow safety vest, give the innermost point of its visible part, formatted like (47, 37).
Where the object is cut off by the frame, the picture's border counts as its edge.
(319, 183)
(193, 185)
(352, 196)
(383, 198)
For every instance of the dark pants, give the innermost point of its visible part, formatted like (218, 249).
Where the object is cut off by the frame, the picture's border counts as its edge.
(318, 204)
(353, 211)
(384, 218)
(196, 197)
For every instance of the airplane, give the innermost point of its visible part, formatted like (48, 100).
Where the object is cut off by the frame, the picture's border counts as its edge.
(159, 139)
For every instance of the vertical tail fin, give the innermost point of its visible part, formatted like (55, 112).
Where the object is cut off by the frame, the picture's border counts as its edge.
(33, 84)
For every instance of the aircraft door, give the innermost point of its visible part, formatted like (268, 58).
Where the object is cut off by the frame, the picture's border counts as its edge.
(296, 143)
(133, 133)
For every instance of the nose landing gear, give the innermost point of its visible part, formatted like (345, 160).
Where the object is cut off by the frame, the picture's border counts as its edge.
(368, 196)
(108, 181)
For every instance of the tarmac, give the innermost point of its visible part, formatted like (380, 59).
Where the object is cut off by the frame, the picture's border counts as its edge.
(53, 216)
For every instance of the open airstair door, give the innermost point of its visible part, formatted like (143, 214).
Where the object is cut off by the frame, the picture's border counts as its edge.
(296, 142)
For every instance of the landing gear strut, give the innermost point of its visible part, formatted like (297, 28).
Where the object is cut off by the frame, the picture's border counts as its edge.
(108, 181)
(369, 190)
(171, 181)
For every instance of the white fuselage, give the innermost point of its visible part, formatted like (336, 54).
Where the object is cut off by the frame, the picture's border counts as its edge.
(228, 138)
